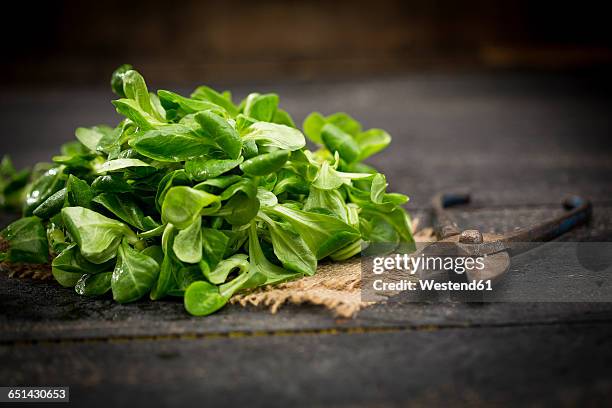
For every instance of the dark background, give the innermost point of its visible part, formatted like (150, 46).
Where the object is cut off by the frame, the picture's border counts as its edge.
(380, 61)
(80, 43)
(510, 100)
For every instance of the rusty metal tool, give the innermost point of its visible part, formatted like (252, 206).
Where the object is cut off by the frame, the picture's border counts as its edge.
(497, 249)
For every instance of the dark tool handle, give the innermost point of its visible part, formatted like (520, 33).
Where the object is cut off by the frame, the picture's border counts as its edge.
(578, 212)
(445, 225)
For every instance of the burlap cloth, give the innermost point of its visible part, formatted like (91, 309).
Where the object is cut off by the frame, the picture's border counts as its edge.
(336, 285)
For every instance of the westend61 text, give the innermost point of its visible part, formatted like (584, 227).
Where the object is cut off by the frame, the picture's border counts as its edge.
(430, 284)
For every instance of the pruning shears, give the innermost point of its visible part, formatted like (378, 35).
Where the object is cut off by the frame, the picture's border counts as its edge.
(496, 250)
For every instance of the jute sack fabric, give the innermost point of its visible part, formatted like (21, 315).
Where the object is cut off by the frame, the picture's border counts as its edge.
(336, 286)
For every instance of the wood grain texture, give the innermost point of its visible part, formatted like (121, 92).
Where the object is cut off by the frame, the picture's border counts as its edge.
(519, 143)
(545, 365)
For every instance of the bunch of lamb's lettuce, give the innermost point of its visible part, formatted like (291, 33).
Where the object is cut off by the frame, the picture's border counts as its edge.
(200, 198)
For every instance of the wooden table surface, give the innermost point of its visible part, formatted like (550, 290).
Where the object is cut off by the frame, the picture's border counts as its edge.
(518, 142)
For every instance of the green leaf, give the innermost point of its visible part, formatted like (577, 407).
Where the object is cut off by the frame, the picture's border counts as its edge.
(266, 198)
(6, 167)
(56, 237)
(65, 278)
(183, 204)
(120, 164)
(185, 276)
(221, 132)
(78, 192)
(117, 79)
(110, 142)
(214, 245)
(175, 178)
(70, 265)
(345, 123)
(205, 93)
(219, 274)
(249, 149)
(74, 148)
(156, 252)
(243, 122)
(71, 260)
(157, 106)
(96, 235)
(51, 205)
(377, 191)
(25, 241)
(126, 209)
(290, 248)
(133, 111)
(134, 275)
(371, 142)
(283, 118)
(376, 199)
(169, 266)
(89, 137)
(274, 135)
(47, 184)
(221, 182)
(135, 88)
(171, 100)
(188, 242)
(379, 230)
(265, 163)
(94, 285)
(110, 184)
(204, 168)
(288, 181)
(348, 251)
(330, 200)
(324, 234)
(337, 140)
(237, 239)
(329, 178)
(261, 107)
(242, 205)
(313, 124)
(153, 232)
(202, 298)
(171, 143)
(262, 271)
(12, 185)
(77, 162)
(398, 218)
(302, 163)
